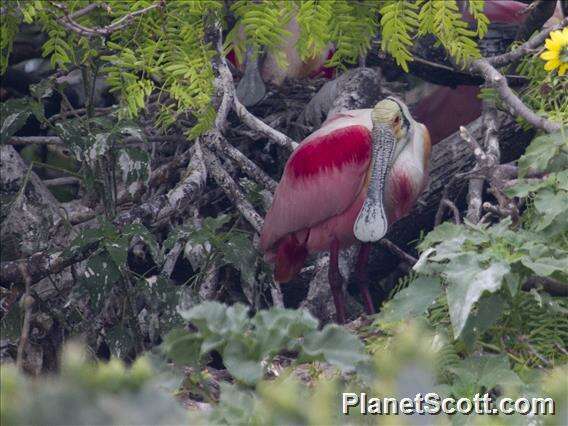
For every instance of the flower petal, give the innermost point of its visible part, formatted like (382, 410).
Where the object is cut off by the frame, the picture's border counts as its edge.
(552, 44)
(549, 54)
(556, 36)
(550, 65)
(562, 69)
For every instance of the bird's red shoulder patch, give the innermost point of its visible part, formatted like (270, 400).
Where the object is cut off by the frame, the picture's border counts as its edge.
(342, 146)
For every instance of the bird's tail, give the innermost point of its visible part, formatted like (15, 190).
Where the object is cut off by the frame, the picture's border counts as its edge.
(290, 256)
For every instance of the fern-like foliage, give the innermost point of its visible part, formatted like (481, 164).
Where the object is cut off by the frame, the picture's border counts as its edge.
(352, 29)
(261, 24)
(399, 21)
(8, 30)
(162, 52)
(444, 20)
(313, 19)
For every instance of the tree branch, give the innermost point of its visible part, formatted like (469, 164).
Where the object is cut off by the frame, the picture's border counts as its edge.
(496, 80)
(68, 21)
(525, 48)
(231, 190)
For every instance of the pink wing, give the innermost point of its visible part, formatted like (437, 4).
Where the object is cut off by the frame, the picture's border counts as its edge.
(322, 178)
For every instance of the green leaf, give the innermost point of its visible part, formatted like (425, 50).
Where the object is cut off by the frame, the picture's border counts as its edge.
(243, 360)
(547, 152)
(120, 340)
(277, 328)
(100, 274)
(217, 322)
(117, 250)
(335, 345)
(489, 310)
(482, 373)
(467, 281)
(182, 347)
(239, 252)
(412, 301)
(14, 115)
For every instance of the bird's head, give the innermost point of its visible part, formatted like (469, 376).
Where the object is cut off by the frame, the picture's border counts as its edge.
(392, 129)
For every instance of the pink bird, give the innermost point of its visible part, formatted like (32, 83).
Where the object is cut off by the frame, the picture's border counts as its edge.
(347, 182)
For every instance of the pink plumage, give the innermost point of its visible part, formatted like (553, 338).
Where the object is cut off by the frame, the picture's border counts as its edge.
(322, 190)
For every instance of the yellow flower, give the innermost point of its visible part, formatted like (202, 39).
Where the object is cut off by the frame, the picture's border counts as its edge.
(557, 53)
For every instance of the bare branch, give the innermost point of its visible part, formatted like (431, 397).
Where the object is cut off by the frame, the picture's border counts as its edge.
(245, 164)
(549, 285)
(525, 48)
(392, 247)
(28, 303)
(496, 80)
(68, 21)
(42, 264)
(232, 191)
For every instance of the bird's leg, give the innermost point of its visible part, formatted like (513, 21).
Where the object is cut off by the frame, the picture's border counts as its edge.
(336, 282)
(361, 275)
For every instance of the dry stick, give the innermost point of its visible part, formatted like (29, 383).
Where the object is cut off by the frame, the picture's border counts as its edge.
(453, 208)
(34, 140)
(263, 128)
(42, 264)
(495, 79)
(245, 164)
(231, 190)
(68, 22)
(398, 251)
(69, 180)
(28, 302)
(56, 140)
(252, 121)
(474, 199)
(525, 48)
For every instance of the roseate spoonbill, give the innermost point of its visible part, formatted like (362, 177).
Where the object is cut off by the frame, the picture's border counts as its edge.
(347, 182)
(265, 69)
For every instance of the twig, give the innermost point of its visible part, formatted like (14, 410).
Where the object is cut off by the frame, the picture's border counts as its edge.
(539, 12)
(209, 286)
(67, 20)
(398, 251)
(28, 303)
(69, 180)
(34, 140)
(245, 115)
(276, 293)
(525, 48)
(496, 80)
(232, 191)
(450, 205)
(549, 285)
(245, 164)
(42, 264)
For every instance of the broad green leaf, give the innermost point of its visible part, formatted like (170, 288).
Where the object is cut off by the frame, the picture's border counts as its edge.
(243, 361)
(489, 310)
(467, 280)
(120, 340)
(118, 251)
(335, 345)
(483, 373)
(411, 301)
(545, 153)
(239, 252)
(550, 205)
(100, 274)
(546, 266)
(217, 322)
(14, 115)
(182, 347)
(277, 328)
